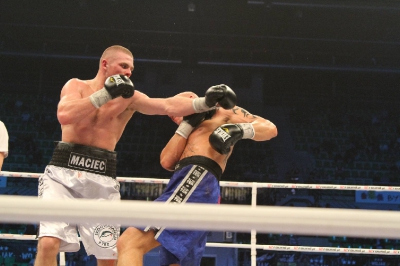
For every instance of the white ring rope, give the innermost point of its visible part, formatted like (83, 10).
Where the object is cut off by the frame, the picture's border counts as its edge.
(263, 247)
(234, 184)
(224, 217)
(308, 221)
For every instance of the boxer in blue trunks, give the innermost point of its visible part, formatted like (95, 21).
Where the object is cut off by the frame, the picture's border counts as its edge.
(195, 181)
(197, 153)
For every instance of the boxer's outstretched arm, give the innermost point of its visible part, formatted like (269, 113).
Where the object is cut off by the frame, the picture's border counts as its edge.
(180, 105)
(172, 106)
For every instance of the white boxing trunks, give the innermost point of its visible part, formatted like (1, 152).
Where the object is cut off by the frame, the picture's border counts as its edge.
(71, 175)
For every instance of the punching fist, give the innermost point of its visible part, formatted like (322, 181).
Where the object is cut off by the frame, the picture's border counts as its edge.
(221, 94)
(114, 86)
(225, 136)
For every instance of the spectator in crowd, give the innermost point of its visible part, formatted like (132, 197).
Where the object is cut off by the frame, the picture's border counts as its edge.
(3, 143)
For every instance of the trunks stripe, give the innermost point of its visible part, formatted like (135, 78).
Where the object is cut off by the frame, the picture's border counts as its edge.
(183, 191)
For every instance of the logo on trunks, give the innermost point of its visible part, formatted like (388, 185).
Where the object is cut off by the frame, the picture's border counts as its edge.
(92, 164)
(105, 236)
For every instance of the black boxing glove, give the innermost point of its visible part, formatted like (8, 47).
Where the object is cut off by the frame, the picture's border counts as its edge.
(189, 123)
(221, 94)
(228, 101)
(114, 86)
(225, 136)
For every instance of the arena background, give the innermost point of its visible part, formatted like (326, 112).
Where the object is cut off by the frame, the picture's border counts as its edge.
(325, 72)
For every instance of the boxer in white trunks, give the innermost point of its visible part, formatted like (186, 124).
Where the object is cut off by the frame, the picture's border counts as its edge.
(93, 114)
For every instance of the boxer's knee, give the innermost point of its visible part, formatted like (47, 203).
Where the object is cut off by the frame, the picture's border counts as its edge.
(129, 239)
(48, 246)
(135, 239)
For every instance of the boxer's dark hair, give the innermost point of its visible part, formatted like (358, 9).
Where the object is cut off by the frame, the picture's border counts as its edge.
(210, 114)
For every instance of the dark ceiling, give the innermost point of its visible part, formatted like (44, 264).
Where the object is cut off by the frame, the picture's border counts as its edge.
(349, 35)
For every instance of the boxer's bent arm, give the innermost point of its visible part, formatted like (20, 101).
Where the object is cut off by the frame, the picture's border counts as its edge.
(72, 107)
(263, 128)
(72, 111)
(172, 152)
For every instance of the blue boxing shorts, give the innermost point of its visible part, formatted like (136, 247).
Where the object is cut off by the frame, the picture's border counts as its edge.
(196, 179)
